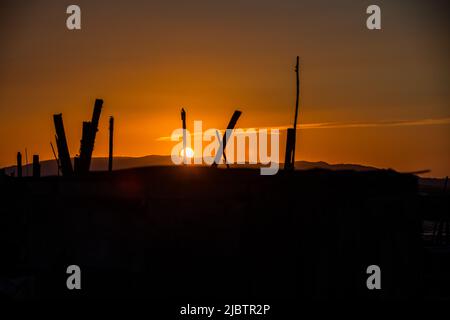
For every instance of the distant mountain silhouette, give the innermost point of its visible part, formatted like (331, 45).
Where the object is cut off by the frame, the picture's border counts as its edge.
(49, 168)
(305, 165)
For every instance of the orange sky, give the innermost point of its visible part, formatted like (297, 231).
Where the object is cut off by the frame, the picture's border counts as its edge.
(147, 59)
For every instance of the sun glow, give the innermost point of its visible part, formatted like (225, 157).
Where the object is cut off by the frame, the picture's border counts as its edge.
(189, 153)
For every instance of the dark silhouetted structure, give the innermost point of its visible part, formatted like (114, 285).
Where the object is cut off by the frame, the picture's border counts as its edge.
(26, 162)
(290, 142)
(36, 166)
(111, 143)
(310, 235)
(223, 143)
(19, 165)
(224, 153)
(61, 144)
(442, 223)
(56, 158)
(83, 162)
(291, 133)
(183, 120)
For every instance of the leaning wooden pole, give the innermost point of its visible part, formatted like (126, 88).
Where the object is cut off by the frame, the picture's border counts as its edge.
(111, 143)
(61, 145)
(223, 143)
(224, 153)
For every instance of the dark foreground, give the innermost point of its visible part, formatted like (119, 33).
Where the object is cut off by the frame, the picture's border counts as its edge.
(197, 233)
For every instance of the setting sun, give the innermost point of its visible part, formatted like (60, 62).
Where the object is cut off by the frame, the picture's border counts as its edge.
(189, 153)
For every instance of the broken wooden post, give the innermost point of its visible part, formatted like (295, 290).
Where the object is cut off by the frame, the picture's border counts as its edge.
(61, 145)
(88, 138)
(80, 161)
(183, 119)
(111, 143)
(223, 143)
(36, 166)
(19, 165)
(289, 162)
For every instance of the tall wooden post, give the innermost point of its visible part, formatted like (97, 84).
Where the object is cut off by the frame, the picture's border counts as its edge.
(183, 119)
(289, 162)
(296, 109)
(61, 145)
(36, 166)
(111, 143)
(19, 165)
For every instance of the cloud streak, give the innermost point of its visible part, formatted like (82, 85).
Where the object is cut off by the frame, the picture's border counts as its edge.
(399, 123)
(343, 125)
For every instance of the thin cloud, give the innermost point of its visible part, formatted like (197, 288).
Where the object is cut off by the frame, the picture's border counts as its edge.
(399, 123)
(342, 125)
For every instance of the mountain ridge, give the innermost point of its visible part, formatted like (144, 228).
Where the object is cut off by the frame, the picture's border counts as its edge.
(49, 167)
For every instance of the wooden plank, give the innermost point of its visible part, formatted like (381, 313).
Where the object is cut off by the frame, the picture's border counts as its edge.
(61, 145)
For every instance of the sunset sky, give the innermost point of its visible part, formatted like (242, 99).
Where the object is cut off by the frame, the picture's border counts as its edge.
(376, 98)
